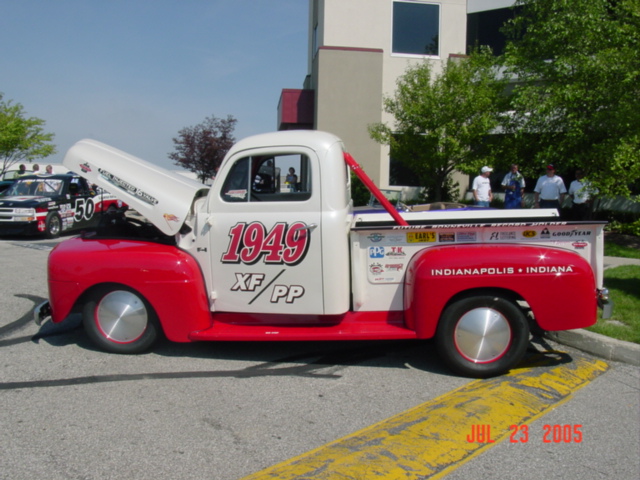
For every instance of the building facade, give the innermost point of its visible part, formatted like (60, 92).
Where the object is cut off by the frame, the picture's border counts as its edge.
(357, 49)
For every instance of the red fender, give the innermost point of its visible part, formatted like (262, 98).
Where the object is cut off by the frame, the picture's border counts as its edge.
(169, 278)
(559, 285)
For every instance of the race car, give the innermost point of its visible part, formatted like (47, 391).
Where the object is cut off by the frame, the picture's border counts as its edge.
(52, 204)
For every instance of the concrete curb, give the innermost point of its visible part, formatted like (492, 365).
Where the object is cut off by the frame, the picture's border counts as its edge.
(601, 345)
(598, 345)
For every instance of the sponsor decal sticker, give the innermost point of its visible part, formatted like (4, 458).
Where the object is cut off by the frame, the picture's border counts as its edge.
(127, 187)
(447, 237)
(396, 252)
(237, 194)
(572, 233)
(85, 167)
(376, 268)
(170, 217)
(376, 237)
(467, 237)
(394, 267)
(580, 245)
(503, 236)
(376, 252)
(529, 233)
(421, 237)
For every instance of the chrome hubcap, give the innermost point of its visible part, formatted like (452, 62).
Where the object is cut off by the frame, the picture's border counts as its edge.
(482, 335)
(54, 225)
(121, 316)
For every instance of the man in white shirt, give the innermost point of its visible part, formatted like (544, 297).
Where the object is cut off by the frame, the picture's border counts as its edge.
(580, 192)
(481, 188)
(550, 190)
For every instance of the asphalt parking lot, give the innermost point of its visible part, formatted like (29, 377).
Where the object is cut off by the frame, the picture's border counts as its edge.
(226, 411)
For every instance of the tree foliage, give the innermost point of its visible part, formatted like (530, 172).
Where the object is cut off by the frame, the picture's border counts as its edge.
(577, 96)
(201, 148)
(439, 117)
(21, 138)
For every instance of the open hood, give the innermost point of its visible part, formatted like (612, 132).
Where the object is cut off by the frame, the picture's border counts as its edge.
(162, 197)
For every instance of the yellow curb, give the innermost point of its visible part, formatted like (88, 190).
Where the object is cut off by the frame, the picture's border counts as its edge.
(431, 439)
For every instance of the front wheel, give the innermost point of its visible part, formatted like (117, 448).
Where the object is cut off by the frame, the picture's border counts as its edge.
(52, 225)
(482, 336)
(119, 320)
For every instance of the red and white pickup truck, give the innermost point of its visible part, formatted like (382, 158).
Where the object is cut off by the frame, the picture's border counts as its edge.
(258, 257)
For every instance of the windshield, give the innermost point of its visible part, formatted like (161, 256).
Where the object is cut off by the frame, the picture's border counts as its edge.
(35, 187)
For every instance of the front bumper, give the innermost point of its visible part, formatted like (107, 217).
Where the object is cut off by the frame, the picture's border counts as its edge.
(19, 228)
(42, 313)
(605, 302)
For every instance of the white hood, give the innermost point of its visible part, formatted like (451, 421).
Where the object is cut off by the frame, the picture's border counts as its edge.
(162, 197)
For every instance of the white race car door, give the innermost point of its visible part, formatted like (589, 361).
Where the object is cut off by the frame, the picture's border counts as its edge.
(266, 233)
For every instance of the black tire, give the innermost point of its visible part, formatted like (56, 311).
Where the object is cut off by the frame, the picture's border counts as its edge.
(482, 336)
(120, 320)
(52, 225)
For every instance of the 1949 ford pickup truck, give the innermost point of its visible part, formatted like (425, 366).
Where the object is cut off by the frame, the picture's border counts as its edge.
(254, 258)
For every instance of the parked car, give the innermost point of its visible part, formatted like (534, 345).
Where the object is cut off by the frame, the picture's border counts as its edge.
(7, 180)
(51, 205)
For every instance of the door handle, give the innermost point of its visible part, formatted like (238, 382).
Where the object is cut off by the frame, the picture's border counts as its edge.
(308, 227)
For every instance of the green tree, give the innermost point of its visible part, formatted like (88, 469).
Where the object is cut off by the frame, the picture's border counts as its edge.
(440, 119)
(577, 87)
(21, 138)
(201, 148)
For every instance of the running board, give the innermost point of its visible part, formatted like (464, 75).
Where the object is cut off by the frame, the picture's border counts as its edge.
(367, 326)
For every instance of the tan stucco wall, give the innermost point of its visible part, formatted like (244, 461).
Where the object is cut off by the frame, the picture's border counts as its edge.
(350, 84)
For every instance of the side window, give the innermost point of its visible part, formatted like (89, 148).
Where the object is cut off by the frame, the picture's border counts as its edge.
(236, 185)
(269, 178)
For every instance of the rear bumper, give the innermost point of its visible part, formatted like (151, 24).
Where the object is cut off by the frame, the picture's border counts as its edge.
(42, 313)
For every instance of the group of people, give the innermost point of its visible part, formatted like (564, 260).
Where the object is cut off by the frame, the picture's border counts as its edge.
(549, 191)
(35, 170)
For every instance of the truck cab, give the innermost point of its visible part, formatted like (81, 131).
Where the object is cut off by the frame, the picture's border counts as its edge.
(266, 247)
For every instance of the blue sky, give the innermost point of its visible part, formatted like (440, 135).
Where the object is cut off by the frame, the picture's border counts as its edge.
(132, 73)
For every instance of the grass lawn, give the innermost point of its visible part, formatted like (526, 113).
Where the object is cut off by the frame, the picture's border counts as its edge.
(613, 250)
(624, 287)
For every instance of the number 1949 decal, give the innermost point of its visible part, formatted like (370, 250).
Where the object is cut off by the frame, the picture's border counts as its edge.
(283, 244)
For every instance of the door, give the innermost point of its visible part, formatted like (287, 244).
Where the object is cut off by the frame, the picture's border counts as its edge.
(82, 205)
(265, 234)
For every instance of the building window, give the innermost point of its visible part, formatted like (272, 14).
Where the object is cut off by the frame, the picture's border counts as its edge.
(485, 29)
(416, 28)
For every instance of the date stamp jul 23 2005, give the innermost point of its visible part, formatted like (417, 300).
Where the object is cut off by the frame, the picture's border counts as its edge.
(520, 434)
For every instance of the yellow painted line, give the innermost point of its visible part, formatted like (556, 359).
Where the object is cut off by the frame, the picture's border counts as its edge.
(430, 440)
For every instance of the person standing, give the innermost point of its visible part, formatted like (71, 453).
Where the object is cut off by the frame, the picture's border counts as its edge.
(550, 190)
(481, 188)
(22, 170)
(49, 169)
(513, 184)
(35, 170)
(580, 192)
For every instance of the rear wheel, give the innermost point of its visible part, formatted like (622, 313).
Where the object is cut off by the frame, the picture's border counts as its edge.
(52, 225)
(120, 320)
(482, 336)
